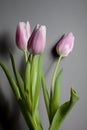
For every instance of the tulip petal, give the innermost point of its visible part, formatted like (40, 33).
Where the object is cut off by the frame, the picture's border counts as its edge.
(65, 45)
(22, 35)
(37, 41)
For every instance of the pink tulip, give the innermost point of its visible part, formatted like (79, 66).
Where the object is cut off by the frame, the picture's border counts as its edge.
(37, 41)
(65, 45)
(22, 35)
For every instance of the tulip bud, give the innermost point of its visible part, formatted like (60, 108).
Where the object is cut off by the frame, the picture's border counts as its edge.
(37, 41)
(65, 45)
(22, 35)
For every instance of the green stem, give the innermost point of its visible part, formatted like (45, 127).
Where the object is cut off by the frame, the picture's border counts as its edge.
(25, 55)
(54, 74)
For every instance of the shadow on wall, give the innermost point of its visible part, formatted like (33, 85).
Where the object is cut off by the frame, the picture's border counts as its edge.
(53, 50)
(6, 43)
(9, 120)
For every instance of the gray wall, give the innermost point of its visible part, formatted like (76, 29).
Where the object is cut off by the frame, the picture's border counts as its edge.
(60, 16)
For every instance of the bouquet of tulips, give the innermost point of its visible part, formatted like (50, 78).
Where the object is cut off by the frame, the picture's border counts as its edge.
(27, 88)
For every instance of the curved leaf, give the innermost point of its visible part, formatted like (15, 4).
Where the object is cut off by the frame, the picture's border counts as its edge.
(20, 84)
(63, 111)
(11, 81)
(17, 75)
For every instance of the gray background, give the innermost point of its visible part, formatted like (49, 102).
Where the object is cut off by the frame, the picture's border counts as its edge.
(60, 16)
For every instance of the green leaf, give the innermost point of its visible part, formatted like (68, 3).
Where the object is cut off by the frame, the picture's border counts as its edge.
(27, 77)
(37, 118)
(55, 100)
(34, 74)
(63, 111)
(38, 84)
(11, 81)
(45, 93)
(17, 75)
(28, 118)
(20, 84)
(27, 85)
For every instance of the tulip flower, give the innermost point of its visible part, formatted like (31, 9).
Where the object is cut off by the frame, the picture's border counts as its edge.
(37, 41)
(22, 35)
(65, 45)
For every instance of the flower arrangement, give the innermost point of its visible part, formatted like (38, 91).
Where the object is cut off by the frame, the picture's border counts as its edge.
(27, 89)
